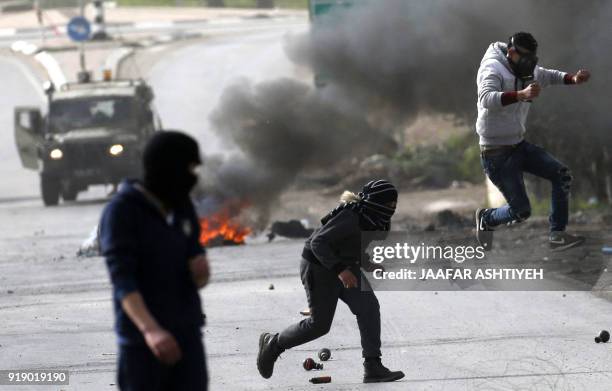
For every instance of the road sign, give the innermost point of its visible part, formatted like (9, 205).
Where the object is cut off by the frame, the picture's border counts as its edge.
(78, 29)
(319, 8)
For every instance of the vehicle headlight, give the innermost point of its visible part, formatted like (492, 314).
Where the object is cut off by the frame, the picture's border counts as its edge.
(56, 154)
(116, 149)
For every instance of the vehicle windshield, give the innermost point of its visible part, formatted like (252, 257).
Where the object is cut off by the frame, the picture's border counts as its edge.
(79, 113)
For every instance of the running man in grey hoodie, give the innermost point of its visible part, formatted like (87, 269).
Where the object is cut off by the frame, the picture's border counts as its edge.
(509, 79)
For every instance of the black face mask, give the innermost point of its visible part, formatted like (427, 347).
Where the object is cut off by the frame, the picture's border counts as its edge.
(525, 66)
(168, 158)
(172, 189)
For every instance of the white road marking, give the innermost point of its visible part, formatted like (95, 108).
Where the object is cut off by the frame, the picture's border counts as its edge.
(7, 32)
(155, 49)
(227, 21)
(150, 25)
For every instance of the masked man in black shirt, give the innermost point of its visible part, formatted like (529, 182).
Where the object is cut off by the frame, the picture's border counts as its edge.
(149, 235)
(330, 270)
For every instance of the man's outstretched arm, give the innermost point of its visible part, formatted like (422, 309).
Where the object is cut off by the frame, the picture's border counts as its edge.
(547, 77)
(582, 76)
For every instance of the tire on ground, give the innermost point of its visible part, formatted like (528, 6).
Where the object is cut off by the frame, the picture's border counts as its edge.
(50, 188)
(69, 192)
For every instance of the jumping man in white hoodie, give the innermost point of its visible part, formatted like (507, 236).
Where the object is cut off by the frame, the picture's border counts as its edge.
(509, 79)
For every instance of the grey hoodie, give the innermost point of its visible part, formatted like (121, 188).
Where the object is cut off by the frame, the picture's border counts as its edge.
(497, 124)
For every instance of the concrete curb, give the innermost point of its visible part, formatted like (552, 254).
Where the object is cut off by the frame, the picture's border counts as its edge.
(116, 58)
(48, 62)
(56, 75)
(113, 62)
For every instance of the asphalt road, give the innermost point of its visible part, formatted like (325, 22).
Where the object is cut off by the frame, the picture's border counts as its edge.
(188, 80)
(56, 310)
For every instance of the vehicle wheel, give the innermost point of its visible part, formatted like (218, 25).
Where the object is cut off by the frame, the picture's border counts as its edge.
(50, 188)
(69, 193)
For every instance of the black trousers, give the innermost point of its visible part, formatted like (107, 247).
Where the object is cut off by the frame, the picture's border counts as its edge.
(323, 289)
(139, 370)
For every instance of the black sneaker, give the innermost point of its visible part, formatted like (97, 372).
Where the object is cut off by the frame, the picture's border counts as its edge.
(559, 240)
(484, 234)
(375, 372)
(269, 351)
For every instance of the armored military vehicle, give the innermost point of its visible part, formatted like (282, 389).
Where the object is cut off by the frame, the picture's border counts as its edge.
(91, 133)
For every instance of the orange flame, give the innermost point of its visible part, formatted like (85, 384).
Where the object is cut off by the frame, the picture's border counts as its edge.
(222, 227)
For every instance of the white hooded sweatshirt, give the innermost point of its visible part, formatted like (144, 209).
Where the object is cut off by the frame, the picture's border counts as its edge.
(497, 124)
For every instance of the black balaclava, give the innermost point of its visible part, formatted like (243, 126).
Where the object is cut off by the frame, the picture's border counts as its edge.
(166, 161)
(526, 46)
(372, 206)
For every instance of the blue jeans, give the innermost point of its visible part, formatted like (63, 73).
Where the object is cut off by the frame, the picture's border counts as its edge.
(505, 169)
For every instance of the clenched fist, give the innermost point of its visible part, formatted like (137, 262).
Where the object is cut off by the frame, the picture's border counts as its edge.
(582, 76)
(530, 92)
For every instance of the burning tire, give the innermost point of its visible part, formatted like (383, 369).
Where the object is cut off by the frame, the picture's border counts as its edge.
(50, 188)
